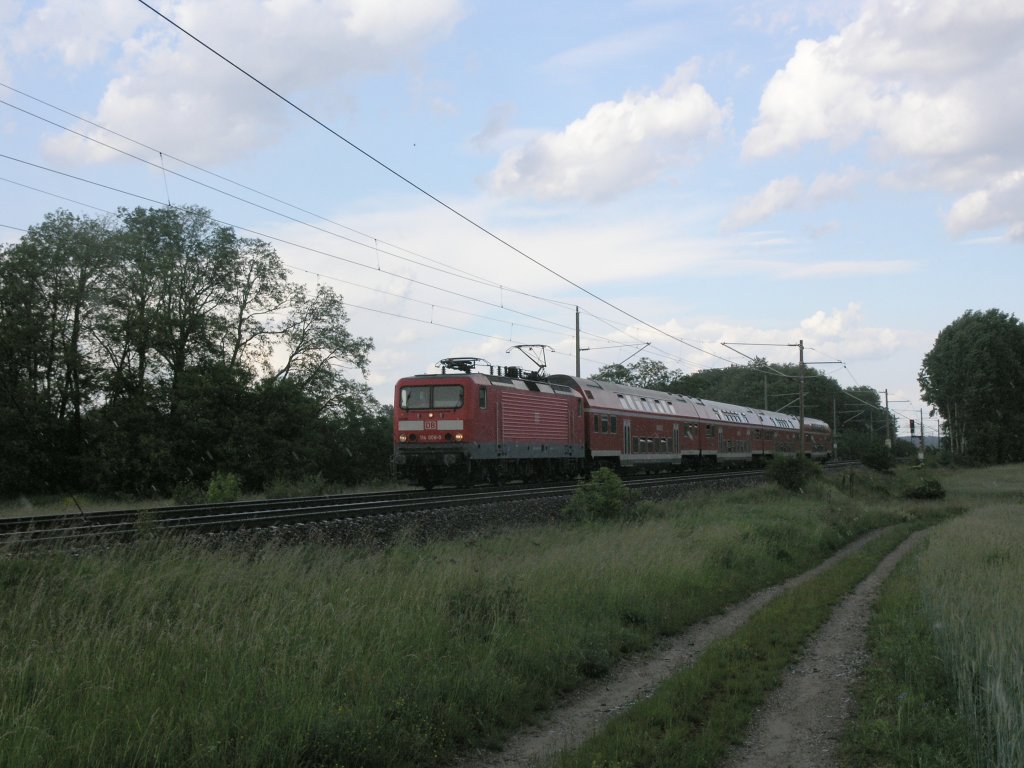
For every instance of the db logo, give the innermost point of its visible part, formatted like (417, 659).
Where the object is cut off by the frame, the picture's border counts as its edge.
(430, 425)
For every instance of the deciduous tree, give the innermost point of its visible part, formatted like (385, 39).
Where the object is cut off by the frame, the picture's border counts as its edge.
(974, 377)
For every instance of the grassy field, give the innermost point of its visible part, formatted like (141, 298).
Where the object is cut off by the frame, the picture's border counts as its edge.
(166, 653)
(947, 685)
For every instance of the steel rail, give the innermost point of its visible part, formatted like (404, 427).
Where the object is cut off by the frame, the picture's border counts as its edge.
(209, 518)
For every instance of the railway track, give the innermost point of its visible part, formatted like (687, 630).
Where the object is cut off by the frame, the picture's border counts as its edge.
(214, 518)
(234, 516)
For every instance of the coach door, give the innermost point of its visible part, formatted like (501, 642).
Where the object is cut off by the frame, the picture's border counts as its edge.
(627, 437)
(499, 432)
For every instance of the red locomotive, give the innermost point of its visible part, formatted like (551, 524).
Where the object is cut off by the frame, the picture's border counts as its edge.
(463, 427)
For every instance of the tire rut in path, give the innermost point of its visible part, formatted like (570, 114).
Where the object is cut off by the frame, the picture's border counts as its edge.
(586, 710)
(801, 722)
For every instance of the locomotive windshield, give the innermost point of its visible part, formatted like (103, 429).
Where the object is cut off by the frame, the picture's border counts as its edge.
(439, 396)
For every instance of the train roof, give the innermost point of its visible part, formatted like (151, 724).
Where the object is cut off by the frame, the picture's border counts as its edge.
(485, 379)
(610, 394)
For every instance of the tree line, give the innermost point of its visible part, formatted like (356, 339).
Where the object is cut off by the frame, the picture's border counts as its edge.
(150, 349)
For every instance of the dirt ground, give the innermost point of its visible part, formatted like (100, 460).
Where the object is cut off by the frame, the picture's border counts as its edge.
(797, 727)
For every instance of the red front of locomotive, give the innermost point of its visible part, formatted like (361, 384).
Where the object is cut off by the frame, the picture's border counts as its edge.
(466, 428)
(439, 426)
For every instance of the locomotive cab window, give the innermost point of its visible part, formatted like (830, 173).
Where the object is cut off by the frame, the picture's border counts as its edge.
(439, 396)
(448, 396)
(483, 398)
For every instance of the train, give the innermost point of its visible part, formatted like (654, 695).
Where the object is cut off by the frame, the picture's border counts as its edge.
(464, 426)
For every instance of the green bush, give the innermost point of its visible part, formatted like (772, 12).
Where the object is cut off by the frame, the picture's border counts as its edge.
(793, 472)
(307, 485)
(188, 493)
(223, 486)
(879, 459)
(926, 488)
(603, 497)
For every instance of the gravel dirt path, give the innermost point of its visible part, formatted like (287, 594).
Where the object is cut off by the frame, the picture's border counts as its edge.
(801, 722)
(588, 709)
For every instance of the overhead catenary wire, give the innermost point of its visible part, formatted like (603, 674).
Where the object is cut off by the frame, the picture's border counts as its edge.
(376, 241)
(307, 248)
(417, 187)
(375, 310)
(161, 167)
(235, 182)
(312, 272)
(348, 304)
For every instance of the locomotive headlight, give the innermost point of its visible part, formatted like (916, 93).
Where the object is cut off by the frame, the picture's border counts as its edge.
(403, 438)
(458, 437)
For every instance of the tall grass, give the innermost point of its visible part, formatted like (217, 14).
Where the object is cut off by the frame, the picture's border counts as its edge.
(972, 585)
(906, 713)
(167, 653)
(947, 683)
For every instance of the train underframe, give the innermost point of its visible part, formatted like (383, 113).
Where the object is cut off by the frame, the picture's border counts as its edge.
(433, 468)
(460, 469)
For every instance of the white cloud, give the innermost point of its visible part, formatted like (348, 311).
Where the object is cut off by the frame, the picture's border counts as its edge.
(1000, 203)
(936, 86)
(925, 77)
(617, 146)
(841, 334)
(611, 49)
(174, 94)
(843, 331)
(830, 185)
(777, 195)
(68, 29)
(789, 192)
(848, 268)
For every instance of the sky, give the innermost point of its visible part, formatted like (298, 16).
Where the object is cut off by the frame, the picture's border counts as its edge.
(467, 174)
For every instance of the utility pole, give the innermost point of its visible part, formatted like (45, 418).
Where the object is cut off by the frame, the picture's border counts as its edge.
(802, 446)
(577, 342)
(835, 431)
(921, 455)
(888, 422)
